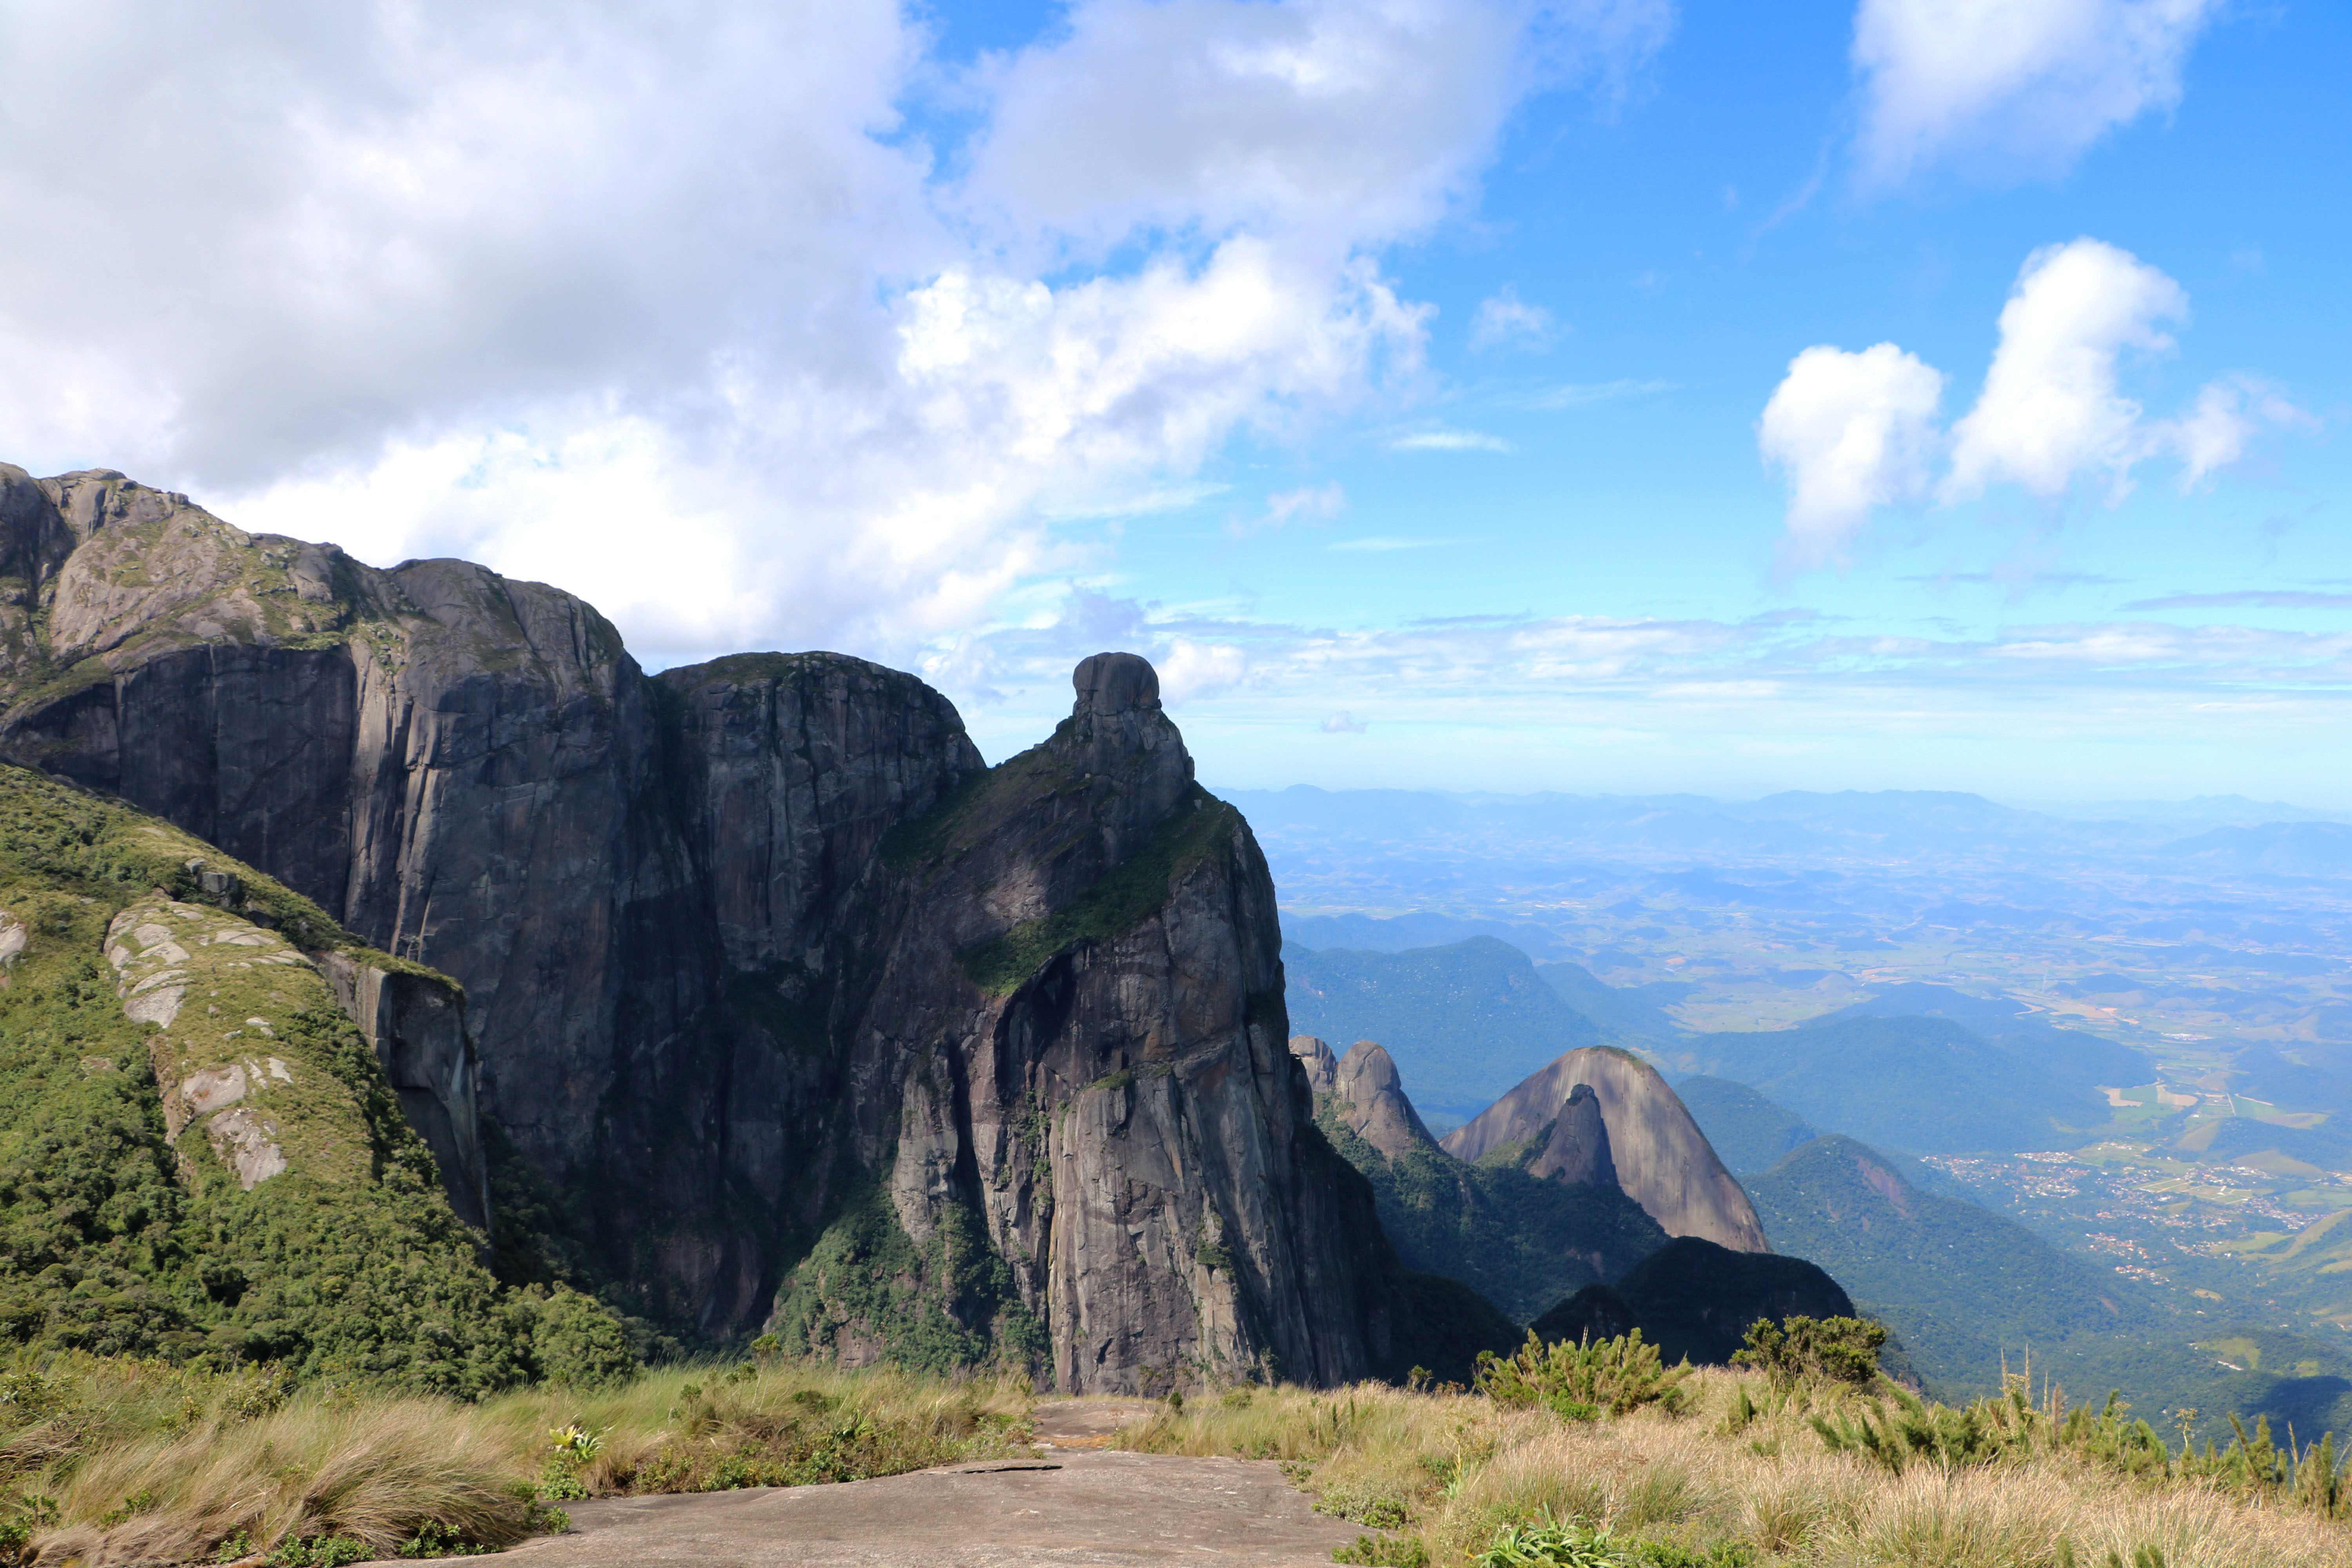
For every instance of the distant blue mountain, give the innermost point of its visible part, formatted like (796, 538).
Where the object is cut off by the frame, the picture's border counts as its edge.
(2281, 848)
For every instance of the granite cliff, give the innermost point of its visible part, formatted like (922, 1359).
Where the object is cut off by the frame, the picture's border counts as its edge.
(1600, 1105)
(783, 1010)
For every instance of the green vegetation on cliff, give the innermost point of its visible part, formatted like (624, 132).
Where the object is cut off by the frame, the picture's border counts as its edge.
(1133, 891)
(266, 1201)
(868, 1292)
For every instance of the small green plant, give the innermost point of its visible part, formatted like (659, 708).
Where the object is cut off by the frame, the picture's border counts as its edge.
(574, 1447)
(233, 1546)
(1384, 1551)
(1667, 1554)
(319, 1552)
(1548, 1543)
(33, 1511)
(137, 1503)
(1579, 1382)
(437, 1540)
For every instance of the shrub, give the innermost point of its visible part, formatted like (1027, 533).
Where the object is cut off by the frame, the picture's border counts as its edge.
(1384, 1551)
(1577, 1382)
(1842, 1351)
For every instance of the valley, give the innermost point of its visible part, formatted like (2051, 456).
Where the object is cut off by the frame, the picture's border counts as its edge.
(1963, 987)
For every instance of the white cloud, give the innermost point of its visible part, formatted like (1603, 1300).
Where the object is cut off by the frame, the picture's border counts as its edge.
(1378, 544)
(1310, 504)
(1326, 119)
(1190, 671)
(1450, 441)
(1854, 431)
(1344, 723)
(2010, 86)
(2051, 409)
(664, 303)
(2215, 431)
(1858, 431)
(1504, 319)
(1585, 394)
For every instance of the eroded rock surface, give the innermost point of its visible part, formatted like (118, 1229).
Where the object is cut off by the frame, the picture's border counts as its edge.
(219, 988)
(1322, 1067)
(1662, 1160)
(1373, 1103)
(1075, 1508)
(1577, 1152)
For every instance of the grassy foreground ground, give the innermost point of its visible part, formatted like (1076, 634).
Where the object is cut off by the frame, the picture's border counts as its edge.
(1597, 1458)
(1739, 1475)
(113, 1461)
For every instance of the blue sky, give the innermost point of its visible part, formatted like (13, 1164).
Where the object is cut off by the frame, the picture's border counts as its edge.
(1396, 375)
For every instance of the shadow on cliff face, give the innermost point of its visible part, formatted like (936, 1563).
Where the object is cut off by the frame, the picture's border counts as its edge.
(789, 1013)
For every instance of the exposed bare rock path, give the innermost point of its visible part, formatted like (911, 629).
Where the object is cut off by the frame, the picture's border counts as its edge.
(1076, 1505)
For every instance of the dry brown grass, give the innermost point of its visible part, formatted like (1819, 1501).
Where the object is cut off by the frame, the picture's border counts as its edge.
(147, 1464)
(375, 1471)
(1453, 1469)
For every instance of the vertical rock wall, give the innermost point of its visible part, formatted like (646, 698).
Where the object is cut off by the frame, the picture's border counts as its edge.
(750, 950)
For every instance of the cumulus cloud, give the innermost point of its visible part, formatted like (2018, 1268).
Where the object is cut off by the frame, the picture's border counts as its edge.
(1344, 723)
(669, 303)
(1503, 319)
(1852, 432)
(2051, 409)
(2012, 86)
(1855, 432)
(1191, 670)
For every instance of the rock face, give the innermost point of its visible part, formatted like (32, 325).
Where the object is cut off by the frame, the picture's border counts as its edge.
(1322, 1067)
(1661, 1158)
(220, 1167)
(1523, 1240)
(768, 975)
(418, 1029)
(1366, 1082)
(1577, 1152)
(1074, 1046)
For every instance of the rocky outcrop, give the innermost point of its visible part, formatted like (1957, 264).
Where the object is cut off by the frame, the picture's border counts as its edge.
(1372, 1102)
(1321, 1067)
(1576, 1154)
(223, 1172)
(1074, 1046)
(767, 976)
(1523, 1240)
(470, 773)
(417, 1022)
(1661, 1159)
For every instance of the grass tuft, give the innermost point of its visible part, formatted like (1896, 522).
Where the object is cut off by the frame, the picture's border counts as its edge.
(118, 1460)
